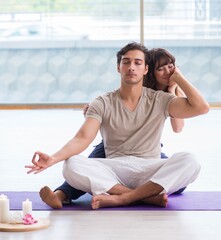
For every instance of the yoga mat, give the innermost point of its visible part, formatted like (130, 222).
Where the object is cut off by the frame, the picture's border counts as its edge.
(187, 201)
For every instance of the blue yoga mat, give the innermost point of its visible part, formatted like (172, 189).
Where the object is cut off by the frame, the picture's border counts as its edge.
(187, 201)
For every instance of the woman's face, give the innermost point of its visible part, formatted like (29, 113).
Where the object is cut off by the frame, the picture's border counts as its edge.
(162, 74)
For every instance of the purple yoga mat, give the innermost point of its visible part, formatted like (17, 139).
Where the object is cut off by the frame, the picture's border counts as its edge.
(187, 201)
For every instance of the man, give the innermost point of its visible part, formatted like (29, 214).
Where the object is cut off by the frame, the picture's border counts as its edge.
(131, 121)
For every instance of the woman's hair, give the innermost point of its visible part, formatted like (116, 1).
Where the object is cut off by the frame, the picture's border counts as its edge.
(157, 58)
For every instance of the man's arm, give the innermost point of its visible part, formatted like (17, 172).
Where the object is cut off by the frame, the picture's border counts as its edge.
(80, 141)
(192, 105)
(76, 145)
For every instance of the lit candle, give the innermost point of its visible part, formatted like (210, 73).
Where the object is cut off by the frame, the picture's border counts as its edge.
(27, 207)
(4, 209)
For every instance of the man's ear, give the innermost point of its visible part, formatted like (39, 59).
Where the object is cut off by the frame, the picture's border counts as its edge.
(118, 67)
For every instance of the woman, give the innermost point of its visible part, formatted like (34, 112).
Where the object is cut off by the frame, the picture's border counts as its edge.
(161, 68)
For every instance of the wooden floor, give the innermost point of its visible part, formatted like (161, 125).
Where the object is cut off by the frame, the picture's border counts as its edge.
(24, 131)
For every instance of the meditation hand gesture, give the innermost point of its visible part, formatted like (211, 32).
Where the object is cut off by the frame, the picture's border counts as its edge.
(44, 161)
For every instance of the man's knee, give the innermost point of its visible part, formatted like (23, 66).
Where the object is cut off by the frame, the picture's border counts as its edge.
(69, 167)
(189, 162)
(186, 161)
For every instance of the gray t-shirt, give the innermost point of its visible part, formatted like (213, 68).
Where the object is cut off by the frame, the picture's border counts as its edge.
(135, 133)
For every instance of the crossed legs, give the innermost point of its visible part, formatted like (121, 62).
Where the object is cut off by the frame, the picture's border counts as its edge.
(175, 173)
(119, 195)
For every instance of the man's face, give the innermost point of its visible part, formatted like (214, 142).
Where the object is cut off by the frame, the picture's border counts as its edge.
(132, 67)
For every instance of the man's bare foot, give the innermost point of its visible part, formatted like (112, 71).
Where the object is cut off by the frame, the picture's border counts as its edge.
(100, 201)
(53, 199)
(159, 200)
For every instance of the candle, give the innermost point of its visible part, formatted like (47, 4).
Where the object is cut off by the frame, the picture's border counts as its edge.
(27, 207)
(4, 209)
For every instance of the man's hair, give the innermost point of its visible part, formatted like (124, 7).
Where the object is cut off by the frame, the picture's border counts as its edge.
(133, 46)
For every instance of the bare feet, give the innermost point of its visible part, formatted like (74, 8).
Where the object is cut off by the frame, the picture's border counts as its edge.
(53, 199)
(100, 201)
(158, 200)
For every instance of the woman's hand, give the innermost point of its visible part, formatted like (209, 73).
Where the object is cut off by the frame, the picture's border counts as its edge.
(85, 108)
(44, 161)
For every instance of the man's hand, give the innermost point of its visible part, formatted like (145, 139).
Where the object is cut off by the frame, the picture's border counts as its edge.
(173, 86)
(44, 161)
(175, 76)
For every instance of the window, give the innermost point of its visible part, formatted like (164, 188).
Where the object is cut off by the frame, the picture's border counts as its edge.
(66, 19)
(182, 20)
(64, 51)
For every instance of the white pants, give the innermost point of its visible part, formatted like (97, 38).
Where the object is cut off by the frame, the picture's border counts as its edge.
(98, 175)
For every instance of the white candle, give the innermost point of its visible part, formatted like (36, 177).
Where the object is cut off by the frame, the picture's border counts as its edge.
(27, 207)
(4, 209)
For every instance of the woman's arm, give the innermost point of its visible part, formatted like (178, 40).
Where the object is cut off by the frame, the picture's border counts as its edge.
(177, 124)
